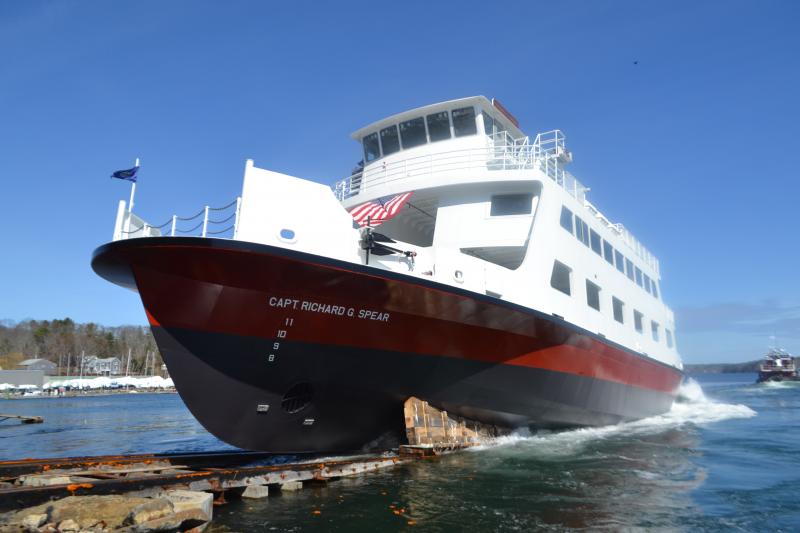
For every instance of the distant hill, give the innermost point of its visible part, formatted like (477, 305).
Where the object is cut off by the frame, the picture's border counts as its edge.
(728, 368)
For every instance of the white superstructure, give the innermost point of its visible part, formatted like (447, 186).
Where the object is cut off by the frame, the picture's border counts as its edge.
(493, 211)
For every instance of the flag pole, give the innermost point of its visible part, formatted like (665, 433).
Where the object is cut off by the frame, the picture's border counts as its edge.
(133, 189)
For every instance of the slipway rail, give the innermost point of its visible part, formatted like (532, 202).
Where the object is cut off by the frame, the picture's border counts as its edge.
(29, 482)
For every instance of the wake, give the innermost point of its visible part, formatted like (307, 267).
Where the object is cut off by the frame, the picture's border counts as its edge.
(691, 407)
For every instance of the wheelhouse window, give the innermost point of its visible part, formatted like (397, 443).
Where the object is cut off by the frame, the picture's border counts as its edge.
(596, 242)
(488, 123)
(592, 295)
(608, 252)
(670, 342)
(654, 286)
(581, 230)
(511, 204)
(439, 126)
(620, 261)
(412, 133)
(639, 281)
(464, 122)
(629, 268)
(390, 140)
(560, 279)
(372, 149)
(654, 329)
(647, 283)
(566, 219)
(619, 309)
(638, 321)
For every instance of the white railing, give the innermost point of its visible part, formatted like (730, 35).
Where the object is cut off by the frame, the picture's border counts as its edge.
(547, 153)
(219, 222)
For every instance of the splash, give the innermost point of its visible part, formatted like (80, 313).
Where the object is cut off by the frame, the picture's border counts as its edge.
(691, 407)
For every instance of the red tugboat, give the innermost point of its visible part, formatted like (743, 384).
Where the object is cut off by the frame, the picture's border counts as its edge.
(493, 290)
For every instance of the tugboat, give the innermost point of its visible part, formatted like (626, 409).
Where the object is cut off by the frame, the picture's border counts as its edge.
(778, 365)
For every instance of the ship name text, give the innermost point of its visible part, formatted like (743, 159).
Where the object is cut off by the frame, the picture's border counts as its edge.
(328, 309)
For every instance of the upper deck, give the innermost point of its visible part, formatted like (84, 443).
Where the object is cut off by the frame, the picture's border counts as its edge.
(461, 141)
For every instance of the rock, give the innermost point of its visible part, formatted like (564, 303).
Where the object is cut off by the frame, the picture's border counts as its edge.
(88, 512)
(34, 521)
(68, 526)
(188, 500)
(150, 510)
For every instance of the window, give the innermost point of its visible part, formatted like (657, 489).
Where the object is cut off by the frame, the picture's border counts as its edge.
(488, 123)
(439, 126)
(646, 282)
(560, 280)
(566, 219)
(620, 261)
(654, 287)
(596, 242)
(670, 342)
(372, 150)
(638, 321)
(619, 309)
(464, 121)
(412, 133)
(608, 252)
(592, 295)
(629, 268)
(654, 328)
(511, 204)
(390, 141)
(581, 230)
(639, 281)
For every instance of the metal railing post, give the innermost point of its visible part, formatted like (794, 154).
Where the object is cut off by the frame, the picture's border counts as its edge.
(174, 222)
(205, 222)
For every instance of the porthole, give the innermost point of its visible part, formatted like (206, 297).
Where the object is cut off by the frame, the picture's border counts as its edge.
(458, 276)
(287, 235)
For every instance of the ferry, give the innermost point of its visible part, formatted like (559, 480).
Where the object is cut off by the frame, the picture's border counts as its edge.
(459, 263)
(778, 365)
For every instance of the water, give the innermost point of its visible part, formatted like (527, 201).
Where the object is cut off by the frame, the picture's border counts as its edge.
(726, 457)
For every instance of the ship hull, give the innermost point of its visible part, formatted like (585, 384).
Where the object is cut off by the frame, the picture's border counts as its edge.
(283, 351)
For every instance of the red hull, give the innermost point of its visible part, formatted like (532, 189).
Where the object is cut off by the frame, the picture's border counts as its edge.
(316, 310)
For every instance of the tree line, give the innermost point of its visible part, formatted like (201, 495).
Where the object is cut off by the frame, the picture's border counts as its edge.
(62, 341)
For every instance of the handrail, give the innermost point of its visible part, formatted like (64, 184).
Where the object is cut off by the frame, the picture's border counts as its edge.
(126, 229)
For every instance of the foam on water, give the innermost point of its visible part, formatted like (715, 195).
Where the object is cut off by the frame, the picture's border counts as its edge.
(690, 407)
(779, 384)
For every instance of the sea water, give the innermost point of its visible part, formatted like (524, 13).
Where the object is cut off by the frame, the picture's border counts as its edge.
(725, 457)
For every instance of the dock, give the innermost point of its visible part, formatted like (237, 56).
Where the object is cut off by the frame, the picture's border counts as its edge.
(22, 418)
(183, 488)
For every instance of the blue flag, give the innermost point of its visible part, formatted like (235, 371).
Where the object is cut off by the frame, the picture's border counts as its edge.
(129, 174)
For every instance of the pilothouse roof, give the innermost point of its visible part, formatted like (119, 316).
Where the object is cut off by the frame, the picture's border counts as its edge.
(479, 101)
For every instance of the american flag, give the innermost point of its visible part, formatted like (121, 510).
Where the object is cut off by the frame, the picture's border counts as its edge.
(380, 210)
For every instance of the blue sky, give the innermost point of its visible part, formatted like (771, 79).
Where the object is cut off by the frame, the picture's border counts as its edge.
(694, 148)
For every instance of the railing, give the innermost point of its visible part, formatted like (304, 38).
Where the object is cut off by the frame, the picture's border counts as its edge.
(218, 222)
(502, 152)
(547, 153)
